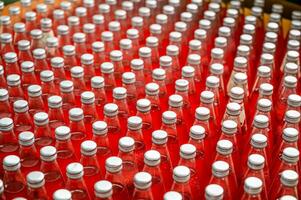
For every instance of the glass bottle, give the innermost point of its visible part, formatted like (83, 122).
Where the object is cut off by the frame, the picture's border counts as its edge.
(90, 163)
(175, 104)
(145, 13)
(217, 70)
(129, 83)
(50, 167)
(259, 146)
(224, 149)
(7, 43)
(194, 60)
(112, 120)
(159, 143)
(142, 182)
(220, 176)
(202, 118)
(289, 139)
(143, 107)
(182, 88)
(172, 195)
(145, 54)
(114, 175)
(35, 101)
(199, 138)
(116, 58)
(30, 20)
(236, 95)
(67, 94)
(62, 194)
(77, 77)
(88, 106)
(152, 161)
(105, 10)
(63, 35)
(14, 182)
(47, 29)
(153, 43)
(99, 22)
(167, 65)
(52, 49)
(252, 188)
(120, 99)
(89, 30)
(55, 112)
(181, 27)
(232, 113)
(24, 51)
(115, 28)
(240, 66)
(40, 61)
(121, 17)
(289, 184)
(214, 191)
(22, 118)
(288, 161)
(175, 38)
(57, 66)
(70, 57)
(133, 34)
(107, 70)
(5, 107)
(152, 94)
(74, 25)
(6, 25)
(36, 36)
(103, 190)
(65, 149)
(87, 61)
(43, 134)
(159, 77)
(97, 87)
(107, 38)
(98, 50)
(28, 153)
(80, 44)
(188, 159)
(207, 101)
(289, 87)
(137, 23)
(47, 84)
(20, 33)
(134, 124)
(291, 119)
(181, 177)
(173, 52)
(188, 73)
(42, 10)
(229, 132)
(28, 76)
(75, 182)
(129, 161)
(256, 168)
(169, 119)
(11, 63)
(35, 183)
(264, 107)
(137, 67)
(9, 143)
(58, 18)
(77, 126)
(100, 130)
